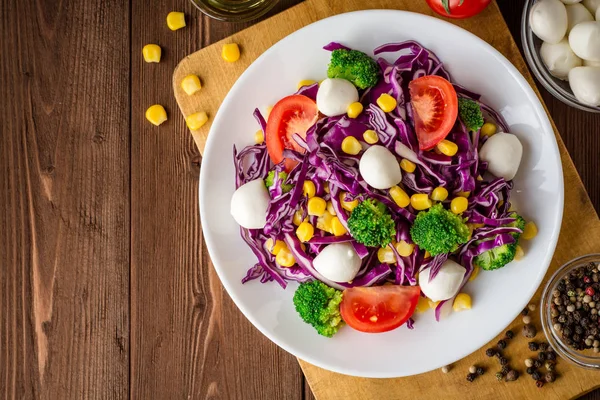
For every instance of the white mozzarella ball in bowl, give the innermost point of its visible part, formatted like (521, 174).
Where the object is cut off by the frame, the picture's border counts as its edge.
(559, 58)
(576, 14)
(585, 84)
(584, 39)
(571, 1)
(548, 20)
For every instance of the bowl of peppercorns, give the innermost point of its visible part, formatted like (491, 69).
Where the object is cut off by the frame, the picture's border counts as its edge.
(570, 311)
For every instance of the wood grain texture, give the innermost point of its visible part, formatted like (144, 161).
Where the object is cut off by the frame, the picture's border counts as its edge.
(188, 340)
(64, 187)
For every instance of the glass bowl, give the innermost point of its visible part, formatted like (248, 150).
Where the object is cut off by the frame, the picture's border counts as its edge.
(582, 358)
(531, 47)
(235, 10)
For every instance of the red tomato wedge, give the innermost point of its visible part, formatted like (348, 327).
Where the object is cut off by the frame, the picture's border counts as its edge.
(292, 114)
(435, 108)
(379, 308)
(458, 8)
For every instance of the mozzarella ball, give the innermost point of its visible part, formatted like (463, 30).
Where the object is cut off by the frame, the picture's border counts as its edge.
(571, 1)
(548, 20)
(559, 58)
(380, 168)
(338, 262)
(584, 39)
(502, 152)
(577, 13)
(592, 5)
(585, 84)
(249, 204)
(335, 95)
(446, 283)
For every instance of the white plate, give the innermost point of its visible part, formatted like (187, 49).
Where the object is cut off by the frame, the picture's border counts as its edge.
(498, 296)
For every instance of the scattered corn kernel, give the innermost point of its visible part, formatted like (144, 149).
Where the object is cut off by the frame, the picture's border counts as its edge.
(196, 120)
(175, 20)
(464, 194)
(324, 222)
(191, 84)
(404, 249)
(330, 208)
(316, 206)
(305, 82)
(386, 102)
(347, 205)
(309, 189)
(354, 109)
(151, 53)
(458, 205)
(432, 304)
(326, 188)
(462, 302)
(530, 231)
(474, 273)
(156, 114)
(420, 201)
(519, 253)
(337, 228)
(285, 258)
(427, 254)
(275, 248)
(399, 196)
(479, 178)
(351, 145)
(230, 52)
(408, 166)
(305, 231)
(269, 244)
(422, 305)
(371, 136)
(386, 255)
(488, 129)
(439, 194)
(259, 137)
(447, 147)
(297, 219)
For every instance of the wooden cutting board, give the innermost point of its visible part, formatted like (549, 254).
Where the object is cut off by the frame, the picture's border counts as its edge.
(579, 233)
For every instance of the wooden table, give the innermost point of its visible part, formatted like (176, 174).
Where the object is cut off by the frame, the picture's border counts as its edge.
(105, 290)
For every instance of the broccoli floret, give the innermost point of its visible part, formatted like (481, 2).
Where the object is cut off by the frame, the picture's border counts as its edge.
(319, 305)
(439, 231)
(498, 257)
(354, 66)
(371, 224)
(470, 114)
(270, 180)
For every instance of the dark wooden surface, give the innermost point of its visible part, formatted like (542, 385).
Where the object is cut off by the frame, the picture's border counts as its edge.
(106, 290)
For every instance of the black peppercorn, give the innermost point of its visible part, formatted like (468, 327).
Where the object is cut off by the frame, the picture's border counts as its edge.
(550, 377)
(471, 377)
(542, 356)
(512, 375)
(566, 331)
(578, 330)
(576, 338)
(490, 352)
(550, 355)
(529, 331)
(510, 334)
(533, 346)
(480, 371)
(537, 363)
(536, 376)
(525, 311)
(543, 346)
(501, 344)
(505, 369)
(503, 361)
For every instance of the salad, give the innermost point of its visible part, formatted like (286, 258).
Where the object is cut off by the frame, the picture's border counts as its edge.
(382, 190)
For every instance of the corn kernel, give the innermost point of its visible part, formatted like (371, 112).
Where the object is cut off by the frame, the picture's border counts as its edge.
(316, 206)
(530, 231)
(337, 228)
(458, 205)
(305, 82)
(439, 194)
(427, 254)
(285, 258)
(269, 244)
(305, 231)
(370, 136)
(268, 111)
(474, 273)
(297, 220)
(156, 114)
(386, 102)
(420, 201)
(488, 129)
(324, 222)
(191, 84)
(464, 194)
(309, 189)
(386, 255)
(175, 20)
(404, 249)
(354, 109)
(432, 304)
(230, 52)
(447, 147)
(479, 178)
(462, 302)
(259, 137)
(326, 188)
(408, 166)
(151, 53)
(196, 120)
(399, 196)
(275, 248)
(422, 305)
(330, 208)
(347, 205)
(351, 145)
(519, 253)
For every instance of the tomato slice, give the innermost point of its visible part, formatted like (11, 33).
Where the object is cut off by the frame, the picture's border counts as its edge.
(292, 114)
(379, 308)
(458, 8)
(435, 108)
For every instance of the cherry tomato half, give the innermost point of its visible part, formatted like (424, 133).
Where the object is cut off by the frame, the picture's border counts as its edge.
(458, 8)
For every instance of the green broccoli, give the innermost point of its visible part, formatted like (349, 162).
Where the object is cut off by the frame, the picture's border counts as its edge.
(371, 224)
(354, 66)
(439, 231)
(270, 180)
(498, 257)
(319, 305)
(470, 114)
